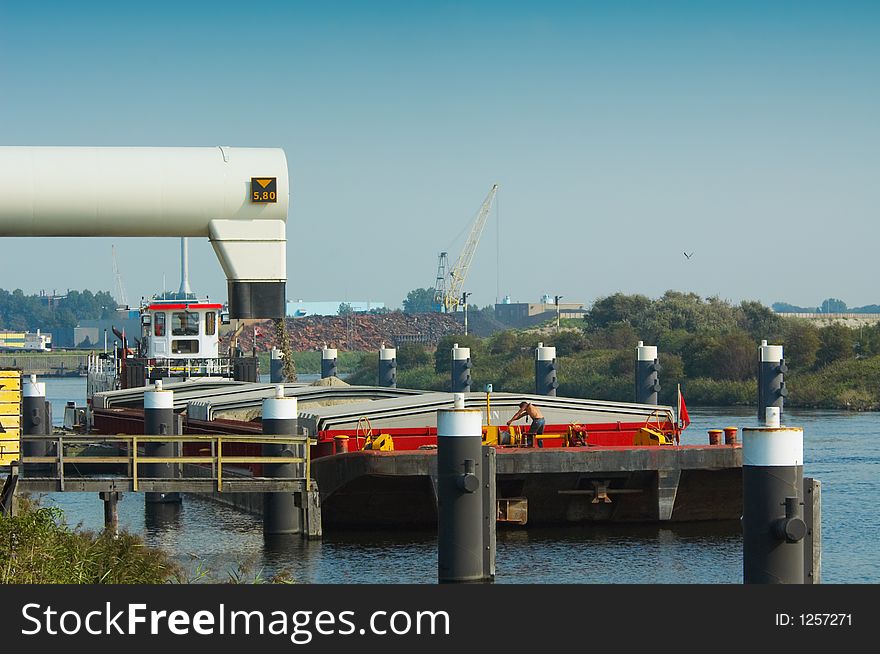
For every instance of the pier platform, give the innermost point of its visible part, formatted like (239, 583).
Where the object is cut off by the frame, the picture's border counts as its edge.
(541, 487)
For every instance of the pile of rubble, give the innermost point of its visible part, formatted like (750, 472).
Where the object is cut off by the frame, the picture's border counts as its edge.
(354, 332)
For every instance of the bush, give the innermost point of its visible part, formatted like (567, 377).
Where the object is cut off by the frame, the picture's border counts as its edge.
(846, 384)
(837, 344)
(801, 342)
(413, 355)
(367, 371)
(423, 378)
(719, 392)
(39, 548)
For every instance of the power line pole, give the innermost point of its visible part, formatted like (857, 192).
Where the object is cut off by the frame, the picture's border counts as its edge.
(464, 297)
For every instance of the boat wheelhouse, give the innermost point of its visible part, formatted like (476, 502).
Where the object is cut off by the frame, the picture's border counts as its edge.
(182, 330)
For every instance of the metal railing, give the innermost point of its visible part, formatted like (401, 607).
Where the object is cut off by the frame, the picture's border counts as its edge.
(181, 367)
(210, 454)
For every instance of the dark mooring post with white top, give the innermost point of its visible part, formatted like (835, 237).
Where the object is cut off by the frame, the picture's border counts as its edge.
(465, 539)
(461, 369)
(276, 367)
(280, 512)
(35, 422)
(545, 370)
(328, 362)
(159, 421)
(771, 384)
(772, 522)
(387, 367)
(647, 377)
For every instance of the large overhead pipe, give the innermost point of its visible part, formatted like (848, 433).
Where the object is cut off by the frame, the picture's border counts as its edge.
(237, 197)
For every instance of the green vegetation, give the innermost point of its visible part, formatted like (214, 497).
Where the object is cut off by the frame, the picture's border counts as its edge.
(309, 362)
(20, 312)
(709, 346)
(39, 548)
(419, 300)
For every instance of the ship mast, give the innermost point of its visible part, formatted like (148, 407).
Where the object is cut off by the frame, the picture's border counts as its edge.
(185, 290)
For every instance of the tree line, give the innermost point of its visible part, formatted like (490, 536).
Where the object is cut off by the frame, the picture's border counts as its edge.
(20, 312)
(707, 345)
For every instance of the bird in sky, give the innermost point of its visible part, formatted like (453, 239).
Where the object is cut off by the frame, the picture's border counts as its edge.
(688, 256)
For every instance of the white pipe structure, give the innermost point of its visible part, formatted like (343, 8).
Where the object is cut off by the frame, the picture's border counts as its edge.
(185, 290)
(139, 191)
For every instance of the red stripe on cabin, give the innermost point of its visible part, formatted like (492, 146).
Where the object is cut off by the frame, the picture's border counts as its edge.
(174, 307)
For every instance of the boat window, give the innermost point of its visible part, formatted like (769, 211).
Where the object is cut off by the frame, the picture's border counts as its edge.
(159, 324)
(184, 323)
(185, 346)
(210, 323)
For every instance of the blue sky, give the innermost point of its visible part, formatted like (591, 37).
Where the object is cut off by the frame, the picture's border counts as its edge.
(620, 133)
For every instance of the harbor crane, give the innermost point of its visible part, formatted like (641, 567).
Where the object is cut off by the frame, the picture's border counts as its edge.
(121, 297)
(448, 287)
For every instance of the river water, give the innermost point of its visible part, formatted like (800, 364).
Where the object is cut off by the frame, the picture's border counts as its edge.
(842, 450)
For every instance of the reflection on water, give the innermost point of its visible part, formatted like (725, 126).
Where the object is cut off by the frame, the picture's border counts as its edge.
(841, 449)
(162, 516)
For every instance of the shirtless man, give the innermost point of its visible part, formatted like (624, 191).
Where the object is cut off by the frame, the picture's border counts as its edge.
(533, 412)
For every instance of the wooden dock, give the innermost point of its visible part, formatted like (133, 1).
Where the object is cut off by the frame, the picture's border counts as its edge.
(61, 470)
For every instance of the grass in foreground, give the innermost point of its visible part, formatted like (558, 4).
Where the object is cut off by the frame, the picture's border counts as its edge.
(38, 547)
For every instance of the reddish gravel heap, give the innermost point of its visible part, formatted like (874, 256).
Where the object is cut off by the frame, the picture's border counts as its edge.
(356, 332)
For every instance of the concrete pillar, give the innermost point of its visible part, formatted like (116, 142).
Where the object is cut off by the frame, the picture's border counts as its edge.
(545, 370)
(772, 522)
(461, 369)
(813, 539)
(280, 513)
(771, 385)
(490, 510)
(460, 546)
(35, 422)
(159, 421)
(387, 367)
(328, 362)
(111, 511)
(647, 379)
(276, 367)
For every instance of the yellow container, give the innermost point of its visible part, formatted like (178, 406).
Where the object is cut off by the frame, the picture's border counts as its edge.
(10, 383)
(10, 416)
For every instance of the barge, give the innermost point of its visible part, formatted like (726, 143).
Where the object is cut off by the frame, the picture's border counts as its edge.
(374, 454)
(373, 449)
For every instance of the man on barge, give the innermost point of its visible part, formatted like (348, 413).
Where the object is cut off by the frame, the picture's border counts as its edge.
(533, 412)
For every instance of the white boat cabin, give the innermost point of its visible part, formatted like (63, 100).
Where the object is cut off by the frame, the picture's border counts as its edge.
(182, 329)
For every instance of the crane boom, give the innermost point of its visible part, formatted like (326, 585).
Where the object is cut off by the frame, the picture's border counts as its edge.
(458, 272)
(440, 285)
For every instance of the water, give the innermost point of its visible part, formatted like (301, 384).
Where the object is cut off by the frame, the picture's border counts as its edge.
(842, 450)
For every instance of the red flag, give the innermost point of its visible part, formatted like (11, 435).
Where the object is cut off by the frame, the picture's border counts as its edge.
(683, 416)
